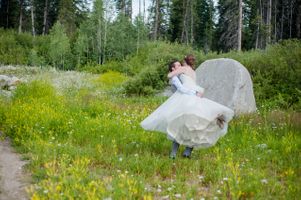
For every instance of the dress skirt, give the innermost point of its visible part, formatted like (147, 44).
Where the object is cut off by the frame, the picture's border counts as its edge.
(190, 120)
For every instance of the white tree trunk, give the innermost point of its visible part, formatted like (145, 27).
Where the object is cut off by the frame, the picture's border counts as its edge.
(184, 35)
(275, 21)
(143, 10)
(21, 16)
(32, 18)
(239, 30)
(156, 25)
(138, 27)
(257, 31)
(269, 24)
(192, 21)
(45, 17)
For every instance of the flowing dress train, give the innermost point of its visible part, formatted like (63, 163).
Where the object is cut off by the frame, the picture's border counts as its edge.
(190, 120)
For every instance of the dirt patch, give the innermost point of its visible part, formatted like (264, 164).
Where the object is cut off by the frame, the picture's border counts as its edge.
(13, 180)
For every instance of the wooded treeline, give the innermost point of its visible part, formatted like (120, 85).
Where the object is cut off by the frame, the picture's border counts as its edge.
(109, 31)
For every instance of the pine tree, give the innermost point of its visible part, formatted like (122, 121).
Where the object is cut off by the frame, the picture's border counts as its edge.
(9, 13)
(159, 19)
(176, 20)
(251, 24)
(204, 25)
(67, 16)
(227, 25)
(124, 7)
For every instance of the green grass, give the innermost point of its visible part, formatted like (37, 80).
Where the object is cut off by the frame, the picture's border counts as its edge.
(87, 146)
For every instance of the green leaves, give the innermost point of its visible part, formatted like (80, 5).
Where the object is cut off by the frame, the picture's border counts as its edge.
(59, 47)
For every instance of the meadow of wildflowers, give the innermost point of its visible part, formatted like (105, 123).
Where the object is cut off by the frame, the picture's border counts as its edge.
(82, 138)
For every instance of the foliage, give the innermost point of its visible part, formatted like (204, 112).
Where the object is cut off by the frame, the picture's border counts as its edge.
(14, 47)
(121, 38)
(59, 48)
(67, 16)
(150, 67)
(101, 41)
(92, 147)
(275, 71)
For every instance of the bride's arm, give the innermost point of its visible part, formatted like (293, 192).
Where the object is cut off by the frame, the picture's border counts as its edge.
(180, 70)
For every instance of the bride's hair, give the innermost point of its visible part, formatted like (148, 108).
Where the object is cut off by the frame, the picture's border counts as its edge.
(172, 64)
(190, 60)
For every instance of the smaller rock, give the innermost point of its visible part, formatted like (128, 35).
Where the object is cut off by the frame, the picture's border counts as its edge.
(8, 83)
(3, 81)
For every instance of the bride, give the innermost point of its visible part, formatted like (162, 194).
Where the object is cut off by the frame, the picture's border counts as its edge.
(186, 117)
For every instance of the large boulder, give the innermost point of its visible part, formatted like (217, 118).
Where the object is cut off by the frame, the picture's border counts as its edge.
(227, 82)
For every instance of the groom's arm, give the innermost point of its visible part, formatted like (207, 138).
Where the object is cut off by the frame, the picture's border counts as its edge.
(177, 83)
(174, 73)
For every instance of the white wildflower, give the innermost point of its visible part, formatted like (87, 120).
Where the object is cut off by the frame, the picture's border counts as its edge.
(262, 146)
(264, 181)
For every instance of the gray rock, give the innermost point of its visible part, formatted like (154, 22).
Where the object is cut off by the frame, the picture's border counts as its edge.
(8, 83)
(227, 82)
(3, 81)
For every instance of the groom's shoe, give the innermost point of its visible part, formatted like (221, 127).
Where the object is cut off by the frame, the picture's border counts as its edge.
(187, 152)
(174, 150)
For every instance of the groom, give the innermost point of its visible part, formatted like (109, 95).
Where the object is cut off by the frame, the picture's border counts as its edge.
(175, 81)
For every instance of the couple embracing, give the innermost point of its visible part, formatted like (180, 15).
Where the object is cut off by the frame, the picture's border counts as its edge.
(187, 117)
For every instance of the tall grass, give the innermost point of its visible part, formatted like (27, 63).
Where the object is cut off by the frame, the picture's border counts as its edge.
(87, 146)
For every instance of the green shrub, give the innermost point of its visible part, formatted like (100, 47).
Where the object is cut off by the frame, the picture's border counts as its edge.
(11, 50)
(276, 71)
(148, 82)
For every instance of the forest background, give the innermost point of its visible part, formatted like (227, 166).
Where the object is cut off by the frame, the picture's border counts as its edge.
(103, 35)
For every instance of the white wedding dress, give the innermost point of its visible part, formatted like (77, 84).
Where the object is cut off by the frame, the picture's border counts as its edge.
(190, 120)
